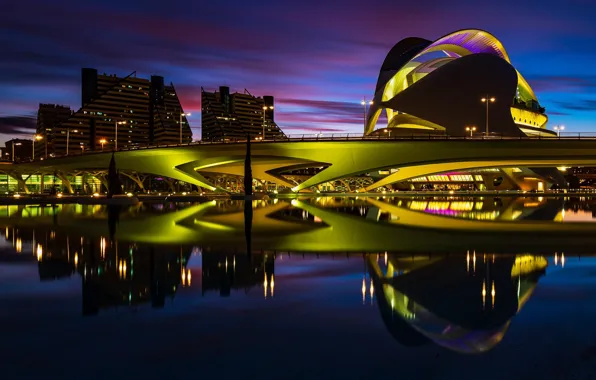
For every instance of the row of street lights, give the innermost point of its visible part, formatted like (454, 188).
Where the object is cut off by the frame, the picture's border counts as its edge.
(102, 141)
(488, 99)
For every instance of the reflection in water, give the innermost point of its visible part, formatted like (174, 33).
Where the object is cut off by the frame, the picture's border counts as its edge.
(462, 302)
(462, 297)
(451, 302)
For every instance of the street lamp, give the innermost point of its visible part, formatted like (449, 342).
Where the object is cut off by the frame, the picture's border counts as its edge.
(35, 137)
(265, 108)
(116, 133)
(68, 138)
(364, 104)
(13, 144)
(182, 114)
(488, 99)
(471, 130)
(82, 148)
(388, 131)
(558, 129)
(102, 142)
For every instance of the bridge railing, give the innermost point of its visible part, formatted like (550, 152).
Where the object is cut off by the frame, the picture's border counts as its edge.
(348, 137)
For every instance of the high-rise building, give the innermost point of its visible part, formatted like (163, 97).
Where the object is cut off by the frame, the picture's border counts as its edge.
(49, 118)
(120, 113)
(229, 117)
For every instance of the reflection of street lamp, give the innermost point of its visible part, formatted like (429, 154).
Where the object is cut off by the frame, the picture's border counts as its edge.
(265, 108)
(471, 130)
(558, 129)
(102, 142)
(13, 144)
(116, 134)
(364, 104)
(68, 138)
(35, 137)
(182, 114)
(488, 99)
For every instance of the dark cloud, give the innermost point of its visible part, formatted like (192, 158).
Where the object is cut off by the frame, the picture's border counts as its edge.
(580, 105)
(562, 83)
(17, 125)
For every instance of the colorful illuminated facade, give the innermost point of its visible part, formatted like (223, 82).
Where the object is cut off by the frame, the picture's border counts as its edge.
(461, 84)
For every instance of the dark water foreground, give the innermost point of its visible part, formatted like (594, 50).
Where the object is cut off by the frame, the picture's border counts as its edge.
(93, 293)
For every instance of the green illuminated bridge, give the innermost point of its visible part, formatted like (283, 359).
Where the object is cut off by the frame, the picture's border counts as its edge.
(333, 159)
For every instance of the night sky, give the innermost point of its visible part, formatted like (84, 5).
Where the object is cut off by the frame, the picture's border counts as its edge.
(317, 57)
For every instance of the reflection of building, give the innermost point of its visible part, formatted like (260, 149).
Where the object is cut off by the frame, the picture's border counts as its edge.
(224, 272)
(113, 274)
(463, 303)
(21, 148)
(439, 86)
(228, 116)
(149, 112)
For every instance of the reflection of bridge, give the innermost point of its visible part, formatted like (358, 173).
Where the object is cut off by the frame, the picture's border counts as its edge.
(462, 303)
(338, 159)
(329, 225)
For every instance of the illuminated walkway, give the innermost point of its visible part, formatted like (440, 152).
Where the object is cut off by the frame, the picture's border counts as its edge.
(340, 158)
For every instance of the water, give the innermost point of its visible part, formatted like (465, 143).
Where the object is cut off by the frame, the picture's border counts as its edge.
(425, 288)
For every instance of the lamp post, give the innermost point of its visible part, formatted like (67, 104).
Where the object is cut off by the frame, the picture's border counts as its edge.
(471, 130)
(488, 99)
(182, 114)
(82, 148)
(68, 138)
(13, 144)
(558, 129)
(364, 104)
(35, 137)
(116, 133)
(102, 142)
(265, 108)
(388, 131)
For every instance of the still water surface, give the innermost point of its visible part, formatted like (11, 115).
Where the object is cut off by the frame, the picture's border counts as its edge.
(425, 288)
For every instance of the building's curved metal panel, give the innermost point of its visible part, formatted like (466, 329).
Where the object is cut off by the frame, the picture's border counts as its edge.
(403, 67)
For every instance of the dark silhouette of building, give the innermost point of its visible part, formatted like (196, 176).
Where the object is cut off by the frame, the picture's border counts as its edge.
(228, 116)
(22, 149)
(49, 118)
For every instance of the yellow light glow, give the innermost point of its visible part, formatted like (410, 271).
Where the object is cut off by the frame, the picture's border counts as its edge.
(19, 245)
(76, 259)
(59, 195)
(363, 290)
(272, 285)
(39, 252)
(17, 195)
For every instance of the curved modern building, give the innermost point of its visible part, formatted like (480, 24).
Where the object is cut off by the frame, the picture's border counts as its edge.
(462, 80)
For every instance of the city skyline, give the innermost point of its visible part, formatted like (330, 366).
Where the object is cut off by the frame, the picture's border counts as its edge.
(318, 65)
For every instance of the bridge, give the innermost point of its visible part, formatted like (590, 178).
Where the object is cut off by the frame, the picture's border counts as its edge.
(335, 157)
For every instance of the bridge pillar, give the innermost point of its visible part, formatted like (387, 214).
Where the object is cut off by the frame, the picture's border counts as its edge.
(65, 182)
(21, 183)
(136, 178)
(102, 179)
